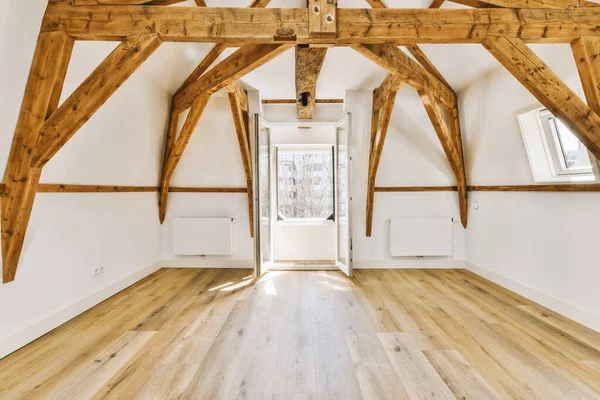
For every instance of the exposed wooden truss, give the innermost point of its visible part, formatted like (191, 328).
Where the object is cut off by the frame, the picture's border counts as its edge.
(226, 73)
(383, 104)
(309, 61)
(290, 25)
(547, 87)
(587, 57)
(43, 127)
(452, 144)
(176, 147)
(68, 188)
(322, 18)
(241, 62)
(560, 187)
(238, 99)
(503, 26)
(397, 62)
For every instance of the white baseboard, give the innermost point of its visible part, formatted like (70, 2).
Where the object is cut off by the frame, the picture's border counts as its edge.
(206, 262)
(568, 310)
(26, 335)
(409, 263)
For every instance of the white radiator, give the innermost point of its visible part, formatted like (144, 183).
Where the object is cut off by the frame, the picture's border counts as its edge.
(202, 236)
(420, 237)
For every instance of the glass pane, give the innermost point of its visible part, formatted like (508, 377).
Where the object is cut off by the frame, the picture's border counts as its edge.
(264, 197)
(574, 153)
(304, 184)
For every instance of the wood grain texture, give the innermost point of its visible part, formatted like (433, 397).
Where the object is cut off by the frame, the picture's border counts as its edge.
(238, 100)
(42, 92)
(92, 94)
(174, 155)
(292, 101)
(398, 63)
(384, 98)
(241, 62)
(386, 334)
(290, 25)
(67, 188)
(586, 51)
(548, 88)
(582, 187)
(556, 4)
(391, 189)
(309, 61)
(451, 141)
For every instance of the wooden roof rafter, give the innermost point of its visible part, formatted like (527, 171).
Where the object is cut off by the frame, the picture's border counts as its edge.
(192, 80)
(141, 26)
(423, 77)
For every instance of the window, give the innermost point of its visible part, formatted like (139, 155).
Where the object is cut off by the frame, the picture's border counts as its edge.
(305, 183)
(567, 154)
(555, 153)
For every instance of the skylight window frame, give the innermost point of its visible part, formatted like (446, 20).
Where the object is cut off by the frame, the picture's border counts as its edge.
(555, 151)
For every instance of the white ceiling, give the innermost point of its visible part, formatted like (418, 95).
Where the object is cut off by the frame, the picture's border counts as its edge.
(343, 69)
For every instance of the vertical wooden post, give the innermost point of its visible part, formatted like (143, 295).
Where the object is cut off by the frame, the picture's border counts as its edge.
(322, 18)
(42, 93)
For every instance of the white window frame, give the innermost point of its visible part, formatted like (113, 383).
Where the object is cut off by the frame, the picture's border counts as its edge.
(555, 151)
(301, 221)
(539, 134)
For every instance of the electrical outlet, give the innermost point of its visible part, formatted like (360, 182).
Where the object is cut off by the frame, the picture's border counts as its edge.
(98, 271)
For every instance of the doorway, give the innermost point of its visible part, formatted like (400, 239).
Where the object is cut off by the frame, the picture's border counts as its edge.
(302, 196)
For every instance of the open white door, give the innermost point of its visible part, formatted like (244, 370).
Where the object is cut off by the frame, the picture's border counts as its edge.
(343, 198)
(262, 194)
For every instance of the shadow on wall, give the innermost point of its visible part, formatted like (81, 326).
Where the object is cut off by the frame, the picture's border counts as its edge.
(409, 126)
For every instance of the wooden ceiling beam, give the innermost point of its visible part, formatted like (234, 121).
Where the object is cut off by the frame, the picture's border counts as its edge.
(238, 100)
(549, 4)
(397, 62)
(290, 25)
(244, 60)
(173, 154)
(44, 85)
(586, 51)
(548, 88)
(309, 61)
(92, 94)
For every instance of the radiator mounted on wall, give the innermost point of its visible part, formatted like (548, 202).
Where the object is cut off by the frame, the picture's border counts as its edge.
(203, 236)
(414, 237)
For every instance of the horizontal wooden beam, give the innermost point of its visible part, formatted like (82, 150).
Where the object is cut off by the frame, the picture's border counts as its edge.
(290, 25)
(208, 190)
(402, 189)
(292, 101)
(68, 188)
(588, 187)
(556, 4)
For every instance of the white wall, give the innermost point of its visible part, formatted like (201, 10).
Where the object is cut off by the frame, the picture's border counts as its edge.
(412, 156)
(211, 159)
(539, 244)
(70, 235)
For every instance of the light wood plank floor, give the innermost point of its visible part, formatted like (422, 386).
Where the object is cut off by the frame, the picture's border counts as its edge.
(393, 334)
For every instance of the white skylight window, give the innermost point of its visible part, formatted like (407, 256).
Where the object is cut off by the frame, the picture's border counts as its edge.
(555, 153)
